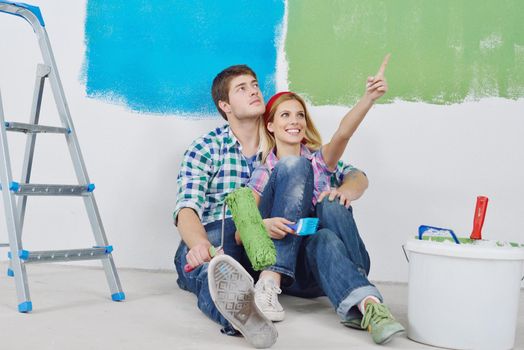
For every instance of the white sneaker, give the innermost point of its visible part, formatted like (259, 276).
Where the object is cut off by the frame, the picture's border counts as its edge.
(266, 297)
(231, 289)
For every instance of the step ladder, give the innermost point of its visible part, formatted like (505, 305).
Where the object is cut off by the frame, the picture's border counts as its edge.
(15, 209)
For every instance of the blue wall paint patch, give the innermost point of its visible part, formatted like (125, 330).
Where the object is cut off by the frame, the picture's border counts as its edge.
(161, 57)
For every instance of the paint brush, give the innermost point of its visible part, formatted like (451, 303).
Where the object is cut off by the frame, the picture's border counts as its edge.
(305, 226)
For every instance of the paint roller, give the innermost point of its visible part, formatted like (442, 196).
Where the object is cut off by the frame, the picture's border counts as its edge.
(259, 248)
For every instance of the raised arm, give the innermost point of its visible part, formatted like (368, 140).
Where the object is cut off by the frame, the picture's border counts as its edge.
(375, 88)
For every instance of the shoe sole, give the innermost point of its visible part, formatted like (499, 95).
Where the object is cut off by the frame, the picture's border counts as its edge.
(274, 316)
(354, 324)
(231, 289)
(388, 339)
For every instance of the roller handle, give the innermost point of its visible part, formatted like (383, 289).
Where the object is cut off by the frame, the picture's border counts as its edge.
(212, 252)
(188, 268)
(478, 219)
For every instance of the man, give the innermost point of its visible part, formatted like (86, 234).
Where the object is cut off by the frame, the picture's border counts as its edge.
(222, 161)
(213, 166)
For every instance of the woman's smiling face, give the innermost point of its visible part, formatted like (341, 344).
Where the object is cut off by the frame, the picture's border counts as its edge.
(289, 122)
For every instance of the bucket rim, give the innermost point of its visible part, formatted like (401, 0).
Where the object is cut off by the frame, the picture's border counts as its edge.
(467, 251)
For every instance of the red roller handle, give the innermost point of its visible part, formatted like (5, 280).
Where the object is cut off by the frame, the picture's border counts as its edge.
(478, 219)
(188, 268)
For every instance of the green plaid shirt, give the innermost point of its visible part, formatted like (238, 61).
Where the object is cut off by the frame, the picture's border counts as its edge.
(213, 166)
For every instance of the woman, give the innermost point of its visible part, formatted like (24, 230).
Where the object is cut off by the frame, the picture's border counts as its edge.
(288, 131)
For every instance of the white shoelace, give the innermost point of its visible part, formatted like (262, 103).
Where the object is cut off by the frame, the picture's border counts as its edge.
(267, 294)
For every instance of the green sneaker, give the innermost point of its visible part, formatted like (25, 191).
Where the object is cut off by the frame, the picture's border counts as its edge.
(380, 323)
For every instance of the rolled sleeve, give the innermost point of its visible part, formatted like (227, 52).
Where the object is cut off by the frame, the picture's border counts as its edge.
(259, 179)
(318, 158)
(193, 181)
(341, 171)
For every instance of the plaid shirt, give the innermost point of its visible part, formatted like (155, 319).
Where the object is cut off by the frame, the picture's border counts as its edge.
(213, 166)
(323, 178)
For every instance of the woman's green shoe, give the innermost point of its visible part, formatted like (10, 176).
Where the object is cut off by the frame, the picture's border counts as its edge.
(380, 323)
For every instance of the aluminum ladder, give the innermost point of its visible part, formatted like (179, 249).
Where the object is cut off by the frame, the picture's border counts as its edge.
(15, 209)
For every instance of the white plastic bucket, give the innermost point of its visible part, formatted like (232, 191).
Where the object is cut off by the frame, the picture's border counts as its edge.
(463, 296)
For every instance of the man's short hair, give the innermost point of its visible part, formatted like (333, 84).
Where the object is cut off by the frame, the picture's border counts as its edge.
(220, 87)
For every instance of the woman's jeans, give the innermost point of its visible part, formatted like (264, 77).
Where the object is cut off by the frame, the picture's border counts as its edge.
(332, 262)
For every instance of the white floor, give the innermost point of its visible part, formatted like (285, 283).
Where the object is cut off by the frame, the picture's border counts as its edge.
(72, 310)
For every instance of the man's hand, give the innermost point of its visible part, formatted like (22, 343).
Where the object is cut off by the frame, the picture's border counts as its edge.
(199, 254)
(377, 86)
(335, 194)
(238, 240)
(276, 227)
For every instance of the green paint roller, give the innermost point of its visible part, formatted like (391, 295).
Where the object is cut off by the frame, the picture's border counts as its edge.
(259, 247)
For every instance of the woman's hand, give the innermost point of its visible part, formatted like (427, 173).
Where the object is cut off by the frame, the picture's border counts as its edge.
(333, 194)
(377, 85)
(276, 227)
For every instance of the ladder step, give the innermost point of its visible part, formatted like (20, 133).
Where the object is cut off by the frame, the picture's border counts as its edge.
(34, 128)
(4, 244)
(64, 255)
(50, 190)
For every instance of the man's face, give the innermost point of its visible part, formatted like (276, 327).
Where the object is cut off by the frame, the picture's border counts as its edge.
(245, 98)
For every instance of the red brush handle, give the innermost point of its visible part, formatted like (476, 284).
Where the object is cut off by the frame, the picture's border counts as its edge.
(478, 219)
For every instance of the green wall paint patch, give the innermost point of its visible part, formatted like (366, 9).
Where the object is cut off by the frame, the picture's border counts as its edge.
(443, 52)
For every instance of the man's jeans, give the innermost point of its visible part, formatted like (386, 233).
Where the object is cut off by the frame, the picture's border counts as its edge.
(334, 261)
(196, 280)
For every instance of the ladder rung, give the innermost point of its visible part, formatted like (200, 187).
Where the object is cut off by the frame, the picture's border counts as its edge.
(64, 255)
(34, 128)
(50, 190)
(4, 244)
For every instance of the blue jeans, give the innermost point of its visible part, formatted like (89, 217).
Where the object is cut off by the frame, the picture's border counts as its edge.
(196, 280)
(334, 261)
(288, 194)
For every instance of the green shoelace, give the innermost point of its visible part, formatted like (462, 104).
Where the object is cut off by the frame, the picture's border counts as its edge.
(376, 313)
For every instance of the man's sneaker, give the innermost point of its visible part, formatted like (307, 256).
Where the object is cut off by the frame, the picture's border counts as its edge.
(231, 289)
(266, 297)
(380, 323)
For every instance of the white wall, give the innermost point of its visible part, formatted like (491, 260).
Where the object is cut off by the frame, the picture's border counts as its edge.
(426, 163)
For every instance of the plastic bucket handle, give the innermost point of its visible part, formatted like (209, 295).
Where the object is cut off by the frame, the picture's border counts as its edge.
(406, 255)
(423, 229)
